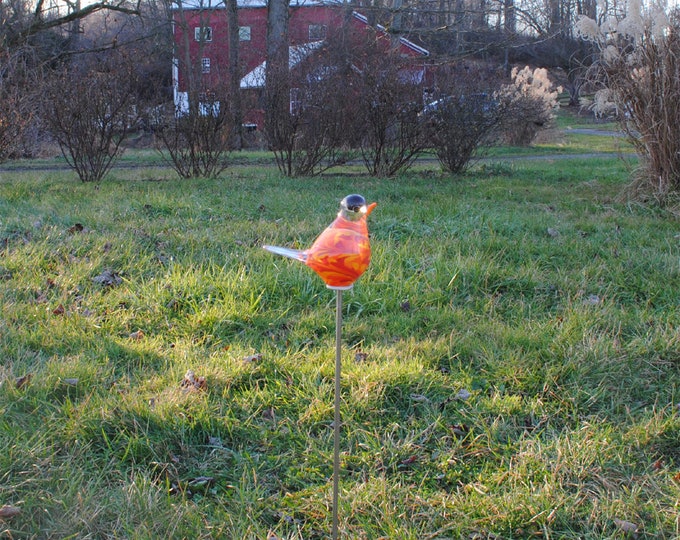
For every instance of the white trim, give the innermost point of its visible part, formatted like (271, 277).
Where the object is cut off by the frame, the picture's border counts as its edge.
(402, 40)
(296, 54)
(177, 5)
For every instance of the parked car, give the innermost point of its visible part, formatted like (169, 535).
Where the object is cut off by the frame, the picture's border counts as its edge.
(471, 104)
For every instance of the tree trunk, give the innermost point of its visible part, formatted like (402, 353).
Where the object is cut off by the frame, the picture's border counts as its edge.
(277, 72)
(235, 103)
(509, 17)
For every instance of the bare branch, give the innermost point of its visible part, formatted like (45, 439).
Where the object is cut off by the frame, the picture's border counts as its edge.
(39, 23)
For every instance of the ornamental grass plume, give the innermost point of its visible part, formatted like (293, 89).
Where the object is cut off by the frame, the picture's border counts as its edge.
(529, 103)
(636, 77)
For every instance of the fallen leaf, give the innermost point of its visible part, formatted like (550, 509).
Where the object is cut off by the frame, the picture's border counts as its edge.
(191, 382)
(268, 414)
(288, 519)
(108, 279)
(201, 482)
(136, 336)
(360, 356)
(419, 398)
(592, 300)
(78, 227)
(444, 403)
(23, 381)
(409, 461)
(71, 382)
(553, 233)
(405, 306)
(8, 511)
(59, 310)
(257, 357)
(626, 526)
(460, 430)
(463, 394)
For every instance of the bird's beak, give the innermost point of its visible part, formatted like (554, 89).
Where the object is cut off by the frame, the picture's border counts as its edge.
(370, 208)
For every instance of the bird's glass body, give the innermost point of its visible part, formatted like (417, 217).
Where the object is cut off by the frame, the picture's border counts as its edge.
(342, 252)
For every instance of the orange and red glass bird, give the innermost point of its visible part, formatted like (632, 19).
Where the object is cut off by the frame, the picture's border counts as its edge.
(342, 252)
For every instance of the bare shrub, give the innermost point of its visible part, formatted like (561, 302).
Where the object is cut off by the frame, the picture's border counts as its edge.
(13, 119)
(315, 133)
(463, 116)
(89, 110)
(18, 110)
(389, 102)
(354, 91)
(197, 139)
(637, 72)
(529, 103)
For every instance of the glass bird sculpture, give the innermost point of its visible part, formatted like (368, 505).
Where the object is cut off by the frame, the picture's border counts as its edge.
(342, 252)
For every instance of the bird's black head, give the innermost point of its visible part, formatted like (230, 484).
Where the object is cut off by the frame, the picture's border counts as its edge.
(353, 203)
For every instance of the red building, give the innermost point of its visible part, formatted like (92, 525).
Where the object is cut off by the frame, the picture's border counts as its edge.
(201, 39)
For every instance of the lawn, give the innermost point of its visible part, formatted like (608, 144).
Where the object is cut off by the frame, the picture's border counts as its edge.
(511, 357)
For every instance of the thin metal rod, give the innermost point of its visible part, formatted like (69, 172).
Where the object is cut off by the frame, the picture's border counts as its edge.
(336, 422)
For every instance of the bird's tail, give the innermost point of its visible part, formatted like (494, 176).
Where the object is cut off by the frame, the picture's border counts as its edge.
(296, 254)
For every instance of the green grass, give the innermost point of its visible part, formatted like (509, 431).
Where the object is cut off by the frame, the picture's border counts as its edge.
(521, 376)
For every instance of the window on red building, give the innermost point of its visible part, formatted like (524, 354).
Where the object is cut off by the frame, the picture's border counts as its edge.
(317, 32)
(203, 33)
(295, 100)
(244, 33)
(205, 65)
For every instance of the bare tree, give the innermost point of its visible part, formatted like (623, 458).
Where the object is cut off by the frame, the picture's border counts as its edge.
(23, 20)
(277, 84)
(235, 103)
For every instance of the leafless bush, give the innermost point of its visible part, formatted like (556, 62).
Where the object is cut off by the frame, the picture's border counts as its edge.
(13, 119)
(89, 110)
(314, 133)
(196, 139)
(389, 102)
(18, 114)
(638, 68)
(463, 116)
(529, 103)
(356, 92)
